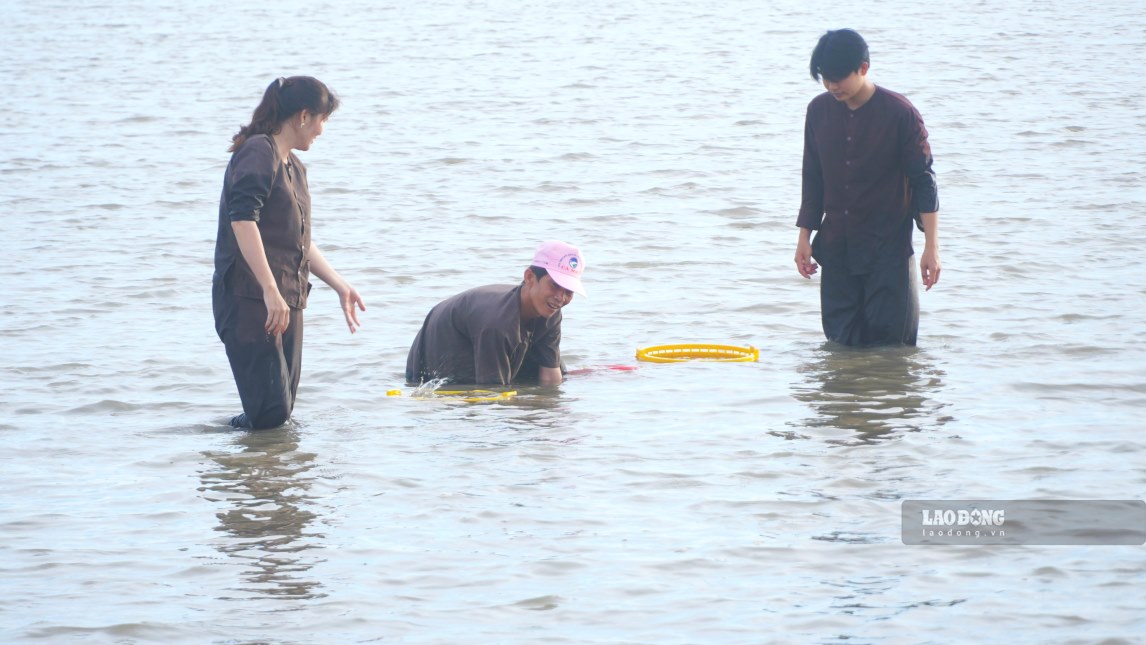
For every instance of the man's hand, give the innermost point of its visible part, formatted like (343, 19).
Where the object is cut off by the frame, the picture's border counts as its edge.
(550, 375)
(804, 263)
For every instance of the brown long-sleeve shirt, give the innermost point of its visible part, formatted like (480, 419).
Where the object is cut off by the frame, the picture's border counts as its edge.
(478, 337)
(258, 187)
(866, 176)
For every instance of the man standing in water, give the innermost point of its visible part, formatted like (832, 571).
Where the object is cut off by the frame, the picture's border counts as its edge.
(499, 334)
(866, 176)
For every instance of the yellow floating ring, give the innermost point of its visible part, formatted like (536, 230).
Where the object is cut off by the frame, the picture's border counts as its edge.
(698, 352)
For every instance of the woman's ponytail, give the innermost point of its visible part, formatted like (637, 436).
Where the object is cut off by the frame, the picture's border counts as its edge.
(284, 98)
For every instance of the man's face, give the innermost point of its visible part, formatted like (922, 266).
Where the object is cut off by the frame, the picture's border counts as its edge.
(545, 297)
(846, 89)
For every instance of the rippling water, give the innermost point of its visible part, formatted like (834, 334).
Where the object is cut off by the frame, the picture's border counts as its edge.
(674, 503)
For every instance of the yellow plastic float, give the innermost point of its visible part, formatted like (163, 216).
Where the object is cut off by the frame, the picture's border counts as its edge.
(475, 396)
(467, 396)
(698, 352)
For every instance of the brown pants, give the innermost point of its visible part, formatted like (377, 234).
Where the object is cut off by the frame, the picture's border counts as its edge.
(266, 367)
(877, 308)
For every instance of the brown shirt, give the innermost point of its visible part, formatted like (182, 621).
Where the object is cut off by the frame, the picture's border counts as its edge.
(867, 174)
(259, 188)
(478, 337)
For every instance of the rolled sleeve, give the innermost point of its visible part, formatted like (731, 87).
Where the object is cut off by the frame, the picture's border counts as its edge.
(917, 166)
(925, 191)
(547, 350)
(252, 175)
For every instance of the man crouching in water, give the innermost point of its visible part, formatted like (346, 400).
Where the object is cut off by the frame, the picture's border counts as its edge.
(501, 334)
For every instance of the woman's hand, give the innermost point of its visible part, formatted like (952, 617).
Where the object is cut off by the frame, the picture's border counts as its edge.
(929, 267)
(349, 299)
(347, 295)
(278, 313)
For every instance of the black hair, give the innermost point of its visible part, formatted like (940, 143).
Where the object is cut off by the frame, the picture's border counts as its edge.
(284, 98)
(538, 272)
(838, 54)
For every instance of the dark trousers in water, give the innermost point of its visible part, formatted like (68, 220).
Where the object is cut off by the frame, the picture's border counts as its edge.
(266, 367)
(877, 308)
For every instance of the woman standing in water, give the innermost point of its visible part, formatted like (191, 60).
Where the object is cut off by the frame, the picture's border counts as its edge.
(264, 254)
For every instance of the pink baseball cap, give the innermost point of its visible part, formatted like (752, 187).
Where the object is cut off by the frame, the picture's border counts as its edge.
(564, 264)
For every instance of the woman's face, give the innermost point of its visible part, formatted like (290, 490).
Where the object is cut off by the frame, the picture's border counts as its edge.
(309, 128)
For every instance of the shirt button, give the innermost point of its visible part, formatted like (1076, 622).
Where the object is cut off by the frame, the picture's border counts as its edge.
(845, 212)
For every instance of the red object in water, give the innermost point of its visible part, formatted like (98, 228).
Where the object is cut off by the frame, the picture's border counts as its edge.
(588, 370)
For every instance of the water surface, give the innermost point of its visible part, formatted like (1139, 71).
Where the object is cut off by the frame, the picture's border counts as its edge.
(676, 503)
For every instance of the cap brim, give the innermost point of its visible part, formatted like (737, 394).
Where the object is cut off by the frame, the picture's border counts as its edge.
(569, 282)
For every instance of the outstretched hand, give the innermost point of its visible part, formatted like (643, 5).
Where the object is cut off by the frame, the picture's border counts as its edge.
(351, 304)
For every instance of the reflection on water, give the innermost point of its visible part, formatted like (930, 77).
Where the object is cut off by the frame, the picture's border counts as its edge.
(535, 414)
(266, 484)
(871, 392)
